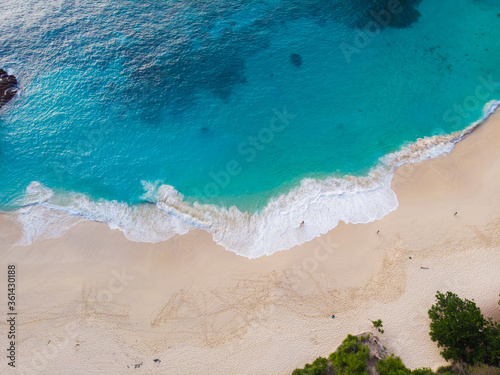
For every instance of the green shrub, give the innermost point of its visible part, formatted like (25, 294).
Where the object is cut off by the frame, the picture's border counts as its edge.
(351, 357)
(422, 371)
(445, 370)
(318, 367)
(392, 366)
(378, 324)
(460, 329)
(484, 370)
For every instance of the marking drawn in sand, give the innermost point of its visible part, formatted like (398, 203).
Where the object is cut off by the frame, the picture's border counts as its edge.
(215, 317)
(91, 307)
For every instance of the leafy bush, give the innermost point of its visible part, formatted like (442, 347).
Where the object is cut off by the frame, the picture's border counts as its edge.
(423, 371)
(485, 370)
(445, 370)
(460, 329)
(378, 324)
(351, 357)
(318, 367)
(392, 366)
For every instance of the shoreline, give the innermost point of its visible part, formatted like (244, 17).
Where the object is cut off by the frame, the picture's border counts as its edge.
(274, 228)
(202, 309)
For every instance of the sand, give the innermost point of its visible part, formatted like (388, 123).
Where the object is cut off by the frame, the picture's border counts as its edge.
(93, 302)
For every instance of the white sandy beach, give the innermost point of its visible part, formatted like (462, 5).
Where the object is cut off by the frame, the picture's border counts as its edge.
(93, 302)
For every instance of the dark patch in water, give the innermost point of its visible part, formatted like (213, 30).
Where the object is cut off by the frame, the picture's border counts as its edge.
(211, 58)
(296, 59)
(384, 14)
(197, 58)
(8, 87)
(355, 13)
(176, 52)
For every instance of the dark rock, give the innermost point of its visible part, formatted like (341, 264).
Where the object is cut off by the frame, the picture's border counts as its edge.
(156, 360)
(296, 59)
(8, 87)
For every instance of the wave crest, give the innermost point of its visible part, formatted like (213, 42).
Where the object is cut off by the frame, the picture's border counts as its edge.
(321, 204)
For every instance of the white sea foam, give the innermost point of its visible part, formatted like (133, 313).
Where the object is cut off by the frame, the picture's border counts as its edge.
(321, 204)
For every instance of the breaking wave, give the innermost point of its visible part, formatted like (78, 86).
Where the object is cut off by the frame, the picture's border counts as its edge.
(320, 204)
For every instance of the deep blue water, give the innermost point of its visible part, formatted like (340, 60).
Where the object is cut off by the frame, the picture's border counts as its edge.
(231, 103)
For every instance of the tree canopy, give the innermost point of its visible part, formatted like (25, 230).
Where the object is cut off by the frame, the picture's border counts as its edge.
(351, 357)
(459, 327)
(318, 367)
(392, 366)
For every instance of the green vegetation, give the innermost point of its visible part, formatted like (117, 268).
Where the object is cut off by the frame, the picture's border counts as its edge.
(318, 367)
(378, 324)
(423, 371)
(470, 342)
(351, 357)
(485, 370)
(461, 330)
(392, 366)
(460, 369)
(445, 370)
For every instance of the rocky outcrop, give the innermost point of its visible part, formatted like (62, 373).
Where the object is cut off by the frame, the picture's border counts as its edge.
(354, 353)
(8, 87)
(377, 351)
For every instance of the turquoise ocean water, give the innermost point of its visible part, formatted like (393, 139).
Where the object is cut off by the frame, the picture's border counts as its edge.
(242, 118)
